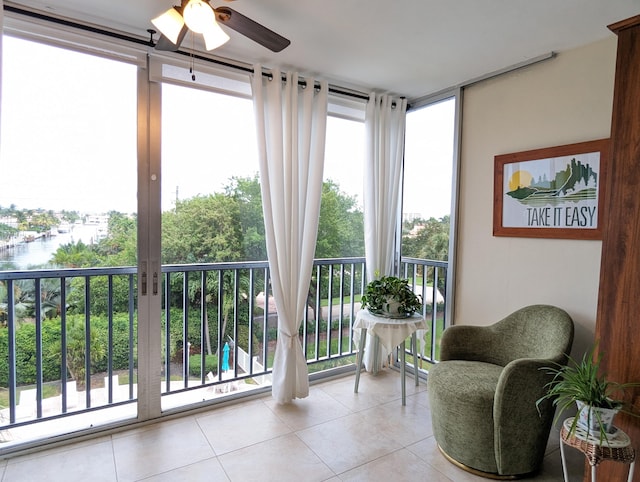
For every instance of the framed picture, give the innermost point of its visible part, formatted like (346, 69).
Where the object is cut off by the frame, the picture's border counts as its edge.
(555, 192)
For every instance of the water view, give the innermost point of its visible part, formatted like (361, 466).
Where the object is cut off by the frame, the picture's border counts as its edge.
(39, 251)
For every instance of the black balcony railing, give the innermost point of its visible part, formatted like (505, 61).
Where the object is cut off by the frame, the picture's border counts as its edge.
(69, 338)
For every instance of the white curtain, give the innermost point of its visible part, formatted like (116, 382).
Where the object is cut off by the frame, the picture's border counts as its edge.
(1, 53)
(385, 127)
(291, 127)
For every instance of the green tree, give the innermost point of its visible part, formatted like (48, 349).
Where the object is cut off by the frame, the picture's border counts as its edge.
(70, 216)
(7, 232)
(42, 221)
(75, 255)
(246, 192)
(341, 224)
(119, 248)
(51, 297)
(203, 229)
(23, 295)
(76, 349)
(427, 239)
(99, 301)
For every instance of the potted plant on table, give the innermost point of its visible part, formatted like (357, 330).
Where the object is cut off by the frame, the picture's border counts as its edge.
(596, 397)
(391, 297)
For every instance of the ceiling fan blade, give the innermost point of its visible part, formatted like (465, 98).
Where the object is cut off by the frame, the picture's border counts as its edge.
(251, 29)
(167, 45)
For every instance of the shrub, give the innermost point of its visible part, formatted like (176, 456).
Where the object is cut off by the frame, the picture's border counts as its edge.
(210, 365)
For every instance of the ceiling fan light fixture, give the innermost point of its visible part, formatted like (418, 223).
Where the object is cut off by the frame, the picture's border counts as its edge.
(170, 24)
(199, 16)
(214, 36)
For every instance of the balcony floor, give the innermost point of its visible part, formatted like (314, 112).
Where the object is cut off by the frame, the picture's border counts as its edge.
(332, 435)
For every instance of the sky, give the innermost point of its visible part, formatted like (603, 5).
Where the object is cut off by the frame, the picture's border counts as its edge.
(68, 139)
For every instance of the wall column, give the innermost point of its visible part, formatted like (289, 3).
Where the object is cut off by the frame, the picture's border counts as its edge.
(618, 315)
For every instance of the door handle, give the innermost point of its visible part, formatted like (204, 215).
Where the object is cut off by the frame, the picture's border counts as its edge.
(155, 283)
(143, 282)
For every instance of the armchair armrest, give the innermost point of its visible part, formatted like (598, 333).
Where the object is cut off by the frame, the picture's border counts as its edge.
(520, 426)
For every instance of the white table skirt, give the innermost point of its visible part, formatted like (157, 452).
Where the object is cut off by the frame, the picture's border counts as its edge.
(390, 331)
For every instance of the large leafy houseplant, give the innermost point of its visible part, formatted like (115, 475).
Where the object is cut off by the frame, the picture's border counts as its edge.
(582, 383)
(392, 297)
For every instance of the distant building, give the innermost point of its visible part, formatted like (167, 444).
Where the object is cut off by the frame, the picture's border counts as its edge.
(410, 217)
(9, 221)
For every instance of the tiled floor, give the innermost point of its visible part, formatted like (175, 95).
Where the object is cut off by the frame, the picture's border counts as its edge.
(333, 435)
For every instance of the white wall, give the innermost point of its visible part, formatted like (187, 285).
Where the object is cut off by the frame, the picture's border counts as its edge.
(561, 101)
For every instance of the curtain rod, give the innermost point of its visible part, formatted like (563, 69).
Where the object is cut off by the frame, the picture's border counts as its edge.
(149, 43)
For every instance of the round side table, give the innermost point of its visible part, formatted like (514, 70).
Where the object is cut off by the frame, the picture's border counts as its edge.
(616, 447)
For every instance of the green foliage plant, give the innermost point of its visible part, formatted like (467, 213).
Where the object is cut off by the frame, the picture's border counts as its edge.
(583, 381)
(380, 294)
(76, 350)
(195, 365)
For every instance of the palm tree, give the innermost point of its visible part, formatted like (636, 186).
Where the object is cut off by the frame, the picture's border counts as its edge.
(77, 350)
(51, 297)
(73, 255)
(24, 292)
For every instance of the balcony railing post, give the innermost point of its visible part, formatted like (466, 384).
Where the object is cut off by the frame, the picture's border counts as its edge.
(11, 326)
(38, 315)
(63, 343)
(87, 339)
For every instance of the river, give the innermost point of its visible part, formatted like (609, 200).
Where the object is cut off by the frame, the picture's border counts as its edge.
(40, 251)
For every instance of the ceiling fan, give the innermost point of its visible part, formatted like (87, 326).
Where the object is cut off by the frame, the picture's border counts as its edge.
(200, 17)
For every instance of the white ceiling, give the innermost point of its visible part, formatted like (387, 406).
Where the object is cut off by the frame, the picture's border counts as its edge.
(408, 47)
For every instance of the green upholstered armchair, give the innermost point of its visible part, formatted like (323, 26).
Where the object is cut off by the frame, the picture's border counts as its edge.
(483, 392)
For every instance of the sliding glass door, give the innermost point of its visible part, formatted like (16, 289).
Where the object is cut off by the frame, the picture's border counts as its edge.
(68, 235)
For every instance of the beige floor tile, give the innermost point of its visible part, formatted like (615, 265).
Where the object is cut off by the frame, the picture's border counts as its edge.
(168, 423)
(332, 435)
(428, 451)
(245, 425)
(347, 442)
(160, 448)
(317, 408)
(421, 397)
(208, 470)
(92, 462)
(399, 465)
(407, 425)
(551, 470)
(64, 447)
(373, 390)
(281, 459)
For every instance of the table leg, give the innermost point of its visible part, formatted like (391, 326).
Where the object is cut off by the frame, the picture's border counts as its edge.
(376, 354)
(402, 367)
(564, 463)
(360, 358)
(414, 341)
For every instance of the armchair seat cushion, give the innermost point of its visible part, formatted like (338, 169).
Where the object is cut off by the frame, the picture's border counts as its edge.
(466, 394)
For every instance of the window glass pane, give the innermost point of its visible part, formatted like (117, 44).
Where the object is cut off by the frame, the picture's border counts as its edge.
(210, 185)
(341, 230)
(428, 168)
(68, 153)
(428, 164)
(68, 168)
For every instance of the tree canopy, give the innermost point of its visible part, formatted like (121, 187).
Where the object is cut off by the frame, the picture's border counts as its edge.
(228, 226)
(426, 239)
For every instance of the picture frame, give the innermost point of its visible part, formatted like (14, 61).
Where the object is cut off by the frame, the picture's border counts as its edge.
(553, 192)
